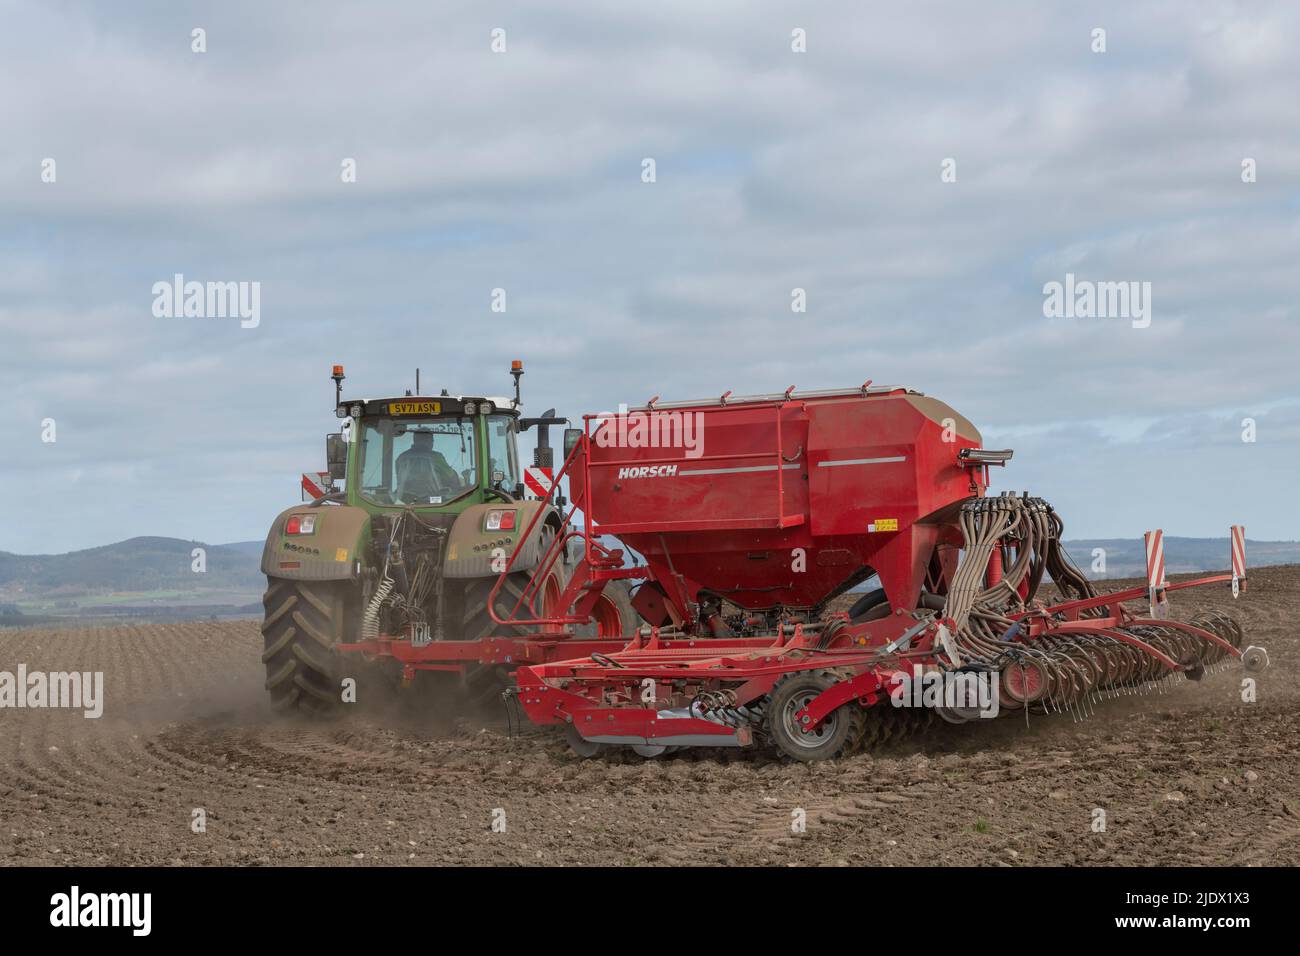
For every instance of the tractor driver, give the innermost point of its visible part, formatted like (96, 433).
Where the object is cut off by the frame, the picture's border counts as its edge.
(422, 472)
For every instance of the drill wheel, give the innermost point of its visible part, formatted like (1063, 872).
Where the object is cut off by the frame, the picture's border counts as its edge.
(580, 745)
(838, 734)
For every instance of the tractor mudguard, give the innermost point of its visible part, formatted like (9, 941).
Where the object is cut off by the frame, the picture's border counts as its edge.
(329, 553)
(470, 545)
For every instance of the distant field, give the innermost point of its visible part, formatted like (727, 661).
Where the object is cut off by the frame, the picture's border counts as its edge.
(122, 597)
(172, 598)
(169, 606)
(1126, 558)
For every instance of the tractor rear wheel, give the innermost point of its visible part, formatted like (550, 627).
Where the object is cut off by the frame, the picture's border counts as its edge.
(836, 736)
(302, 623)
(613, 615)
(483, 684)
(476, 621)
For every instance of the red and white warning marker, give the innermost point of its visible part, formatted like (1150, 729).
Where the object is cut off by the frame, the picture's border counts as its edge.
(1156, 583)
(1237, 534)
(538, 481)
(315, 484)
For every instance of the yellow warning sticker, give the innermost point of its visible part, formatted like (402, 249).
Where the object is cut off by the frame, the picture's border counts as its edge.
(883, 524)
(341, 554)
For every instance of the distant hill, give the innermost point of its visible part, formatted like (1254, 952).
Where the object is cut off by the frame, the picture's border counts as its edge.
(159, 569)
(134, 565)
(246, 547)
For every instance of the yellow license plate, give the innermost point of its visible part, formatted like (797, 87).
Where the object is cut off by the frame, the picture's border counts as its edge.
(414, 408)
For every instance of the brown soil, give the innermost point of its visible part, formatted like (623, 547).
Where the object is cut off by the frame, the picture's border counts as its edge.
(1191, 776)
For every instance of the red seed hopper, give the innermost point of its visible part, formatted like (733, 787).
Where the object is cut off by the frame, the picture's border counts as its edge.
(746, 517)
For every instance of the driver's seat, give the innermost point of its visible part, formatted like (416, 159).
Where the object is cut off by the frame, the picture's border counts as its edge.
(417, 476)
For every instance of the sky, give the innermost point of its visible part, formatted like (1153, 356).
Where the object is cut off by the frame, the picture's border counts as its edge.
(921, 171)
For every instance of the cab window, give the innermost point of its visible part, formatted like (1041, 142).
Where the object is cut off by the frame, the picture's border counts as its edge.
(501, 451)
(417, 462)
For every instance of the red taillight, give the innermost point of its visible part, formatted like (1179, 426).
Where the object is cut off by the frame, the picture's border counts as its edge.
(508, 521)
(300, 524)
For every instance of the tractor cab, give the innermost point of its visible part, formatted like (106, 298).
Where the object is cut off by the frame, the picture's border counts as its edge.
(437, 454)
(427, 453)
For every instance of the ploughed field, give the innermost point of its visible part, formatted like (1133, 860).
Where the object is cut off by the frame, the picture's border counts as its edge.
(1185, 777)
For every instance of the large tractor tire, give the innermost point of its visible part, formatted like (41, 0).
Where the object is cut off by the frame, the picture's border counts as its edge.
(303, 621)
(477, 623)
(614, 615)
(484, 684)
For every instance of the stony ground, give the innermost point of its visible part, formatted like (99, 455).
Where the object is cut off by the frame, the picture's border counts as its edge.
(1191, 776)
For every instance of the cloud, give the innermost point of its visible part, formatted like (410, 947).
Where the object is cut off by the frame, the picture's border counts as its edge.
(521, 170)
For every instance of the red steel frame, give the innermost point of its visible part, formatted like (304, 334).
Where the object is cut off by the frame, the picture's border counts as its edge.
(592, 694)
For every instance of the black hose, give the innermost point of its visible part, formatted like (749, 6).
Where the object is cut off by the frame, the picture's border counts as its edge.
(865, 603)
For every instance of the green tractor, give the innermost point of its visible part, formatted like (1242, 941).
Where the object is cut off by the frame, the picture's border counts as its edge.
(412, 546)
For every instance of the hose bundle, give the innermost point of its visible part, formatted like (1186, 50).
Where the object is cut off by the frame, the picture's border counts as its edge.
(1063, 668)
